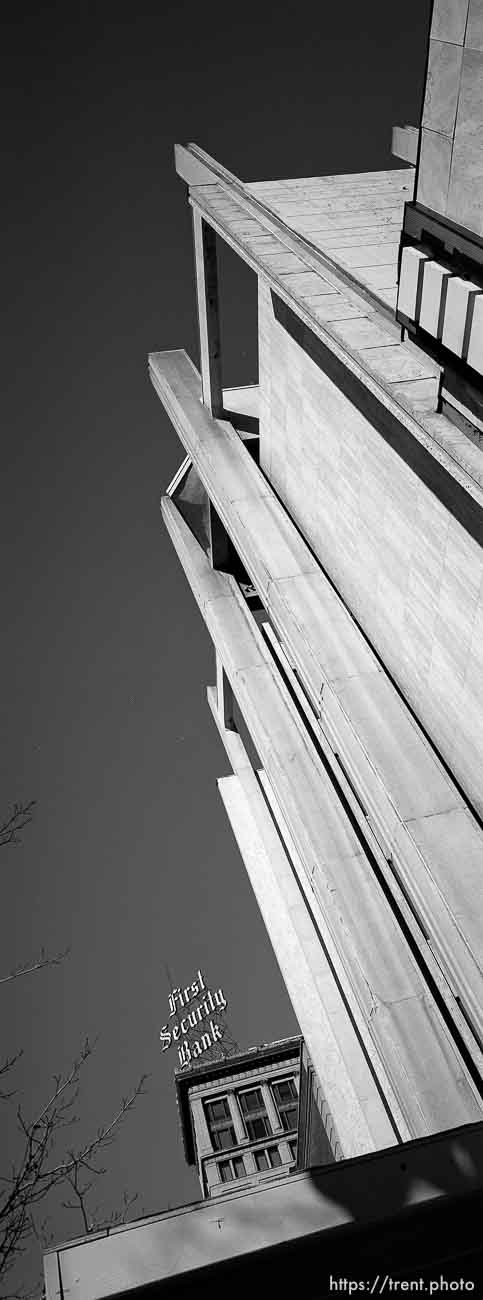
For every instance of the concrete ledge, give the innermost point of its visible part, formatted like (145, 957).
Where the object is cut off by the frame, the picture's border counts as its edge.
(356, 1214)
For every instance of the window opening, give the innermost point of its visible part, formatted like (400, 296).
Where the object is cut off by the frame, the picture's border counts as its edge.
(231, 1169)
(252, 1106)
(220, 1125)
(269, 1158)
(286, 1101)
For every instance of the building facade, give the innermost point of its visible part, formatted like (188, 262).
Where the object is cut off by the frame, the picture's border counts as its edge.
(239, 1118)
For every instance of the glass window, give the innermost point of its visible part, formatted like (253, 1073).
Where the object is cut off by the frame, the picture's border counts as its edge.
(286, 1101)
(220, 1125)
(270, 1158)
(274, 1157)
(251, 1101)
(231, 1169)
(252, 1106)
(292, 1146)
(261, 1160)
(285, 1090)
(219, 1109)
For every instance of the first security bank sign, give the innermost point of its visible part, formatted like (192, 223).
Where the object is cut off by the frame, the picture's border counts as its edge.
(203, 1006)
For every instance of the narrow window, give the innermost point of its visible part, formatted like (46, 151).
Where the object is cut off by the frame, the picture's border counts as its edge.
(286, 1101)
(274, 1157)
(261, 1160)
(252, 1106)
(220, 1124)
(270, 1158)
(231, 1169)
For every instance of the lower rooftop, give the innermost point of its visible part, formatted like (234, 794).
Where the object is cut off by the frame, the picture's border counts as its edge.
(412, 1213)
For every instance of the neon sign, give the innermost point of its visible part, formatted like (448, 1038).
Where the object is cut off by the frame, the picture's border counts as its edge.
(203, 1007)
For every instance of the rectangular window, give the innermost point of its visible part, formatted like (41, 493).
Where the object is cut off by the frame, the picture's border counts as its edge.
(292, 1146)
(286, 1101)
(221, 1130)
(274, 1157)
(268, 1159)
(252, 1107)
(231, 1169)
(261, 1160)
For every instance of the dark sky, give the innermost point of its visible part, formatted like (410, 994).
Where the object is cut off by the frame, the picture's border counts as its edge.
(130, 860)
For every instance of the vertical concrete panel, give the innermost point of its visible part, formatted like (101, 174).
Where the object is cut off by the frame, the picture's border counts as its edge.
(442, 86)
(430, 316)
(474, 30)
(458, 300)
(434, 170)
(475, 349)
(410, 280)
(449, 20)
(465, 194)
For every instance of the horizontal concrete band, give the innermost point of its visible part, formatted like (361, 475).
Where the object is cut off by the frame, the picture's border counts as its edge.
(418, 815)
(120, 1260)
(415, 1048)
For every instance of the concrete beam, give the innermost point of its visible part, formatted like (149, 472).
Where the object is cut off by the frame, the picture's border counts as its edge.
(224, 696)
(405, 140)
(190, 168)
(208, 313)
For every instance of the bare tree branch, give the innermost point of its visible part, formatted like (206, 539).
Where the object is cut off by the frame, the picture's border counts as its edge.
(40, 1169)
(27, 968)
(36, 1174)
(20, 816)
(5, 1067)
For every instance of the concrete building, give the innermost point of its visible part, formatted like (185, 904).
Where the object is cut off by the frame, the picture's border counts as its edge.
(329, 523)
